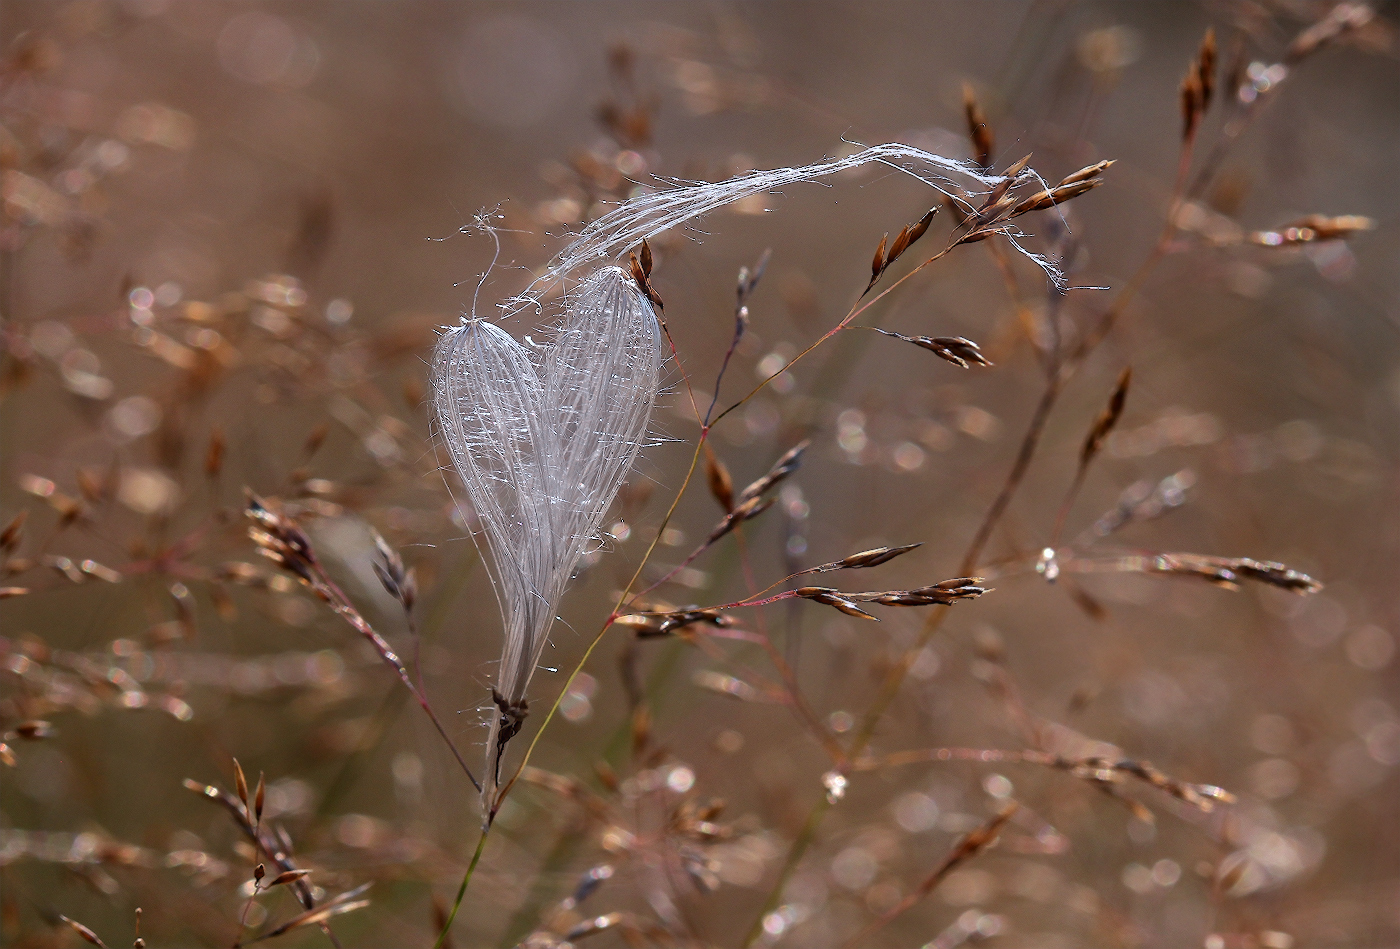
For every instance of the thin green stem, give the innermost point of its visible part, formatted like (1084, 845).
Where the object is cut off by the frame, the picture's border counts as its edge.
(462, 890)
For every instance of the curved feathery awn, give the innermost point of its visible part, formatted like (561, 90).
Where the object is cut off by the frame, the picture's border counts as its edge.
(542, 441)
(650, 213)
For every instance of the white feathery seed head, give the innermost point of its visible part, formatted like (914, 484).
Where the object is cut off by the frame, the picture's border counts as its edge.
(542, 439)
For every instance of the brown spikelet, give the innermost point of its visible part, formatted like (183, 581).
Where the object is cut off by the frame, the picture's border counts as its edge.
(919, 229)
(639, 274)
(1086, 173)
(1107, 419)
(646, 259)
(978, 129)
(943, 593)
(344, 903)
(877, 264)
(1059, 194)
(288, 876)
(259, 798)
(648, 625)
(899, 246)
(721, 484)
(87, 934)
(400, 583)
(890, 251)
(833, 598)
(782, 468)
(981, 234)
(749, 278)
(957, 350)
(1014, 170)
(978, 840)
(866, 558)
(1226, 572)
(240, 783)
(998, 199)
(745, 510)
(1276, 574)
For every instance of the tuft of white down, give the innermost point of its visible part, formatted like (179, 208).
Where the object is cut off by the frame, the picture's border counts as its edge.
(542, 441)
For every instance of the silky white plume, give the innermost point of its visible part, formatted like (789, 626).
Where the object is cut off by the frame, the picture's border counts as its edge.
(542, 440)
(649, 213)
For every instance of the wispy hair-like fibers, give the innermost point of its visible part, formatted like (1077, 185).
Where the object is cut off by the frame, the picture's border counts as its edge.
(542, 440)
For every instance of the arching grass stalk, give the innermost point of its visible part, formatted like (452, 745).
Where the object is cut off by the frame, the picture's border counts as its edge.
(462, 890)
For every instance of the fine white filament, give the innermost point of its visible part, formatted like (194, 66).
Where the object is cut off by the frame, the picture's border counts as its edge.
(649, 213)
(542, 441)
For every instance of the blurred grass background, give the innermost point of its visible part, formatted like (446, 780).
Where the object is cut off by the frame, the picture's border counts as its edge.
(344, 145)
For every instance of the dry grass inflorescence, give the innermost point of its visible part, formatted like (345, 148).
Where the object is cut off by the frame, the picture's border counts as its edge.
(897, 544)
